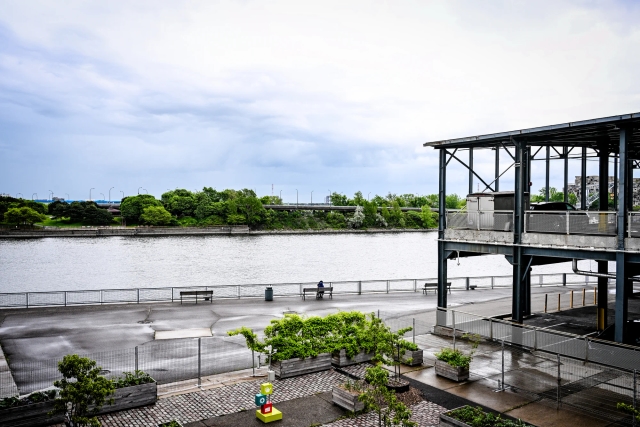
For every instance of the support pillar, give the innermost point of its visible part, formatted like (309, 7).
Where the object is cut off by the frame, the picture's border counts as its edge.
(603, 295)
(546, 179)
(441, 318)
(622, 273)
(497, 169)
(520, 263)
(565, 154)
(615, 182)
(470, 170)
(603, 177)
(583, 181)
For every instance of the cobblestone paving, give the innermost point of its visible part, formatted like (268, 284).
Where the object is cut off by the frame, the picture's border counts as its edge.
(205, 404)
(424, 413)
(357, 370)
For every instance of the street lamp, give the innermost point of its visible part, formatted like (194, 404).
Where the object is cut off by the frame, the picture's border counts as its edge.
(312, 197)
(17, 195)
(51, 198)
(90, 193)
(145, 190)
(329, 197)
(110, 193)
(368, 195)
(296, 197)
(139, 190)
(280, 196)
(102, 196)
(67, 195)
(122, 194)
(36, 194)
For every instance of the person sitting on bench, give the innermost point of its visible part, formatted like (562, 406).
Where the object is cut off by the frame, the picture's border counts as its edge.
(320, 293)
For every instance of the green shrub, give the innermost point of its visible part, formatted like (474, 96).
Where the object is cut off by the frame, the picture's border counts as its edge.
(477, 417)
(132, 378)
(36, 397)
(454, 357)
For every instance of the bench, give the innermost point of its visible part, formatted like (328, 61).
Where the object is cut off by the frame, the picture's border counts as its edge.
(204, 295)
(317, 291)
(434, 286)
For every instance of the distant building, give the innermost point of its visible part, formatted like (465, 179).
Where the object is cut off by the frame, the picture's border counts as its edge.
(593, 185)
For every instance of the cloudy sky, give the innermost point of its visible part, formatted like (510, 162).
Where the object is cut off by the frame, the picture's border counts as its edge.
(308, 95)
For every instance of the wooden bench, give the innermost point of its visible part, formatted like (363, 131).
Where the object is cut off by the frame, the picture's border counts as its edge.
(318, 291)
(434, 286)
(204, 295)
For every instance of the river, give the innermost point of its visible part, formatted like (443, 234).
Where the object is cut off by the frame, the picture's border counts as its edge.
(52, 264)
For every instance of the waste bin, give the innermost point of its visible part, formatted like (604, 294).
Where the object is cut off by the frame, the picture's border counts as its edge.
(268, 294)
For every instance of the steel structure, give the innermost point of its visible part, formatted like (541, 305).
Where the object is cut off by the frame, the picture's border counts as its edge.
(603, 138)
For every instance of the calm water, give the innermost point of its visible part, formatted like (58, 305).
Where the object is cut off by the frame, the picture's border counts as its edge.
(130, 262)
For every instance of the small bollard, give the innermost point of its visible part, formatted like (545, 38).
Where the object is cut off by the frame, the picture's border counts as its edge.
(545, 302)
(558, 302)
(583, 295)
(571, 303)
(595, 295)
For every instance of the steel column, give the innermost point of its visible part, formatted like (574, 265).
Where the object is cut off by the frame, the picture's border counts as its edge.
(621, 266)
(603, 295)
(497, 170)
(520, 270)
(583, 180)
(565, 153)
(442, 256)
(615, 181)
(470, 170)
(546, 179)
(603, 177)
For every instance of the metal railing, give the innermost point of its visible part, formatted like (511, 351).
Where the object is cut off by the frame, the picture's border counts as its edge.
(558, 222)
(172, 294)
(578, 347)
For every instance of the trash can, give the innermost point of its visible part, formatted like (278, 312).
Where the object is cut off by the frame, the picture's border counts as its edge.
(268, 294)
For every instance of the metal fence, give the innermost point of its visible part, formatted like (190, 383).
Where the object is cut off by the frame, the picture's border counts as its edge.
(172, 294)
(166, 361)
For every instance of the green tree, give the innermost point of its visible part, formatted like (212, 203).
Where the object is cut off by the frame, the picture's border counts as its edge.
(83, 391)
(338, 199)
(428, 217)
(96, 216)
(132, 207)
(23, 215)
(155, 215)
(179, 202)
(370, 210)
(249, 206)
(396, 218)
(453, 201)
(383, 401)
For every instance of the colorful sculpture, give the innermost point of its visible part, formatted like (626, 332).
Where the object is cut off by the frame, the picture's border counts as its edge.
(267, 413)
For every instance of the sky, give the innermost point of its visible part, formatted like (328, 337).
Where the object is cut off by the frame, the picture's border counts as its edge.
(279, 96)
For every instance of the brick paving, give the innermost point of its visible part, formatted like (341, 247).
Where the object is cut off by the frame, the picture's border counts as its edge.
(357, 370)
(219, 401)
(424, 413)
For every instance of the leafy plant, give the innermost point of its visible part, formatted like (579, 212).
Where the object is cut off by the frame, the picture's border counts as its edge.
(629, 410)
(477, 417)
(457, 358)
(35, 397)
(132, 378)
(83, 390)
(172, 423)
(383, 401)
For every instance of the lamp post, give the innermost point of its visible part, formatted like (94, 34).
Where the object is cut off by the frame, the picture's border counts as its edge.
(51, 198)
(67, 196)
(312, 197)
(368, 195)
(17, 195)
(90, 193)
(36, 194)
(296, 197)
(122, 195)
(139, 190)
(329, 197)
(280, 196)
(145, 190)
(102, 196)
(110, 193)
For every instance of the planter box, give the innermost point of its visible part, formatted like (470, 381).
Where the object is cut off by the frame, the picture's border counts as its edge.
(36, 414)
(294, 367)
(446, 420)
(415, 356)
(132, 397)
(340, 359)
(453, 373)
(29, 415)
(347, 400)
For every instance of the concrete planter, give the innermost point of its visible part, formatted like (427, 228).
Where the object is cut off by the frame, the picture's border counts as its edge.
(340, 359)
(415, 356)
(452, 372)
(36, 414)
(294, 367)
(347, 399)
(446, 420)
